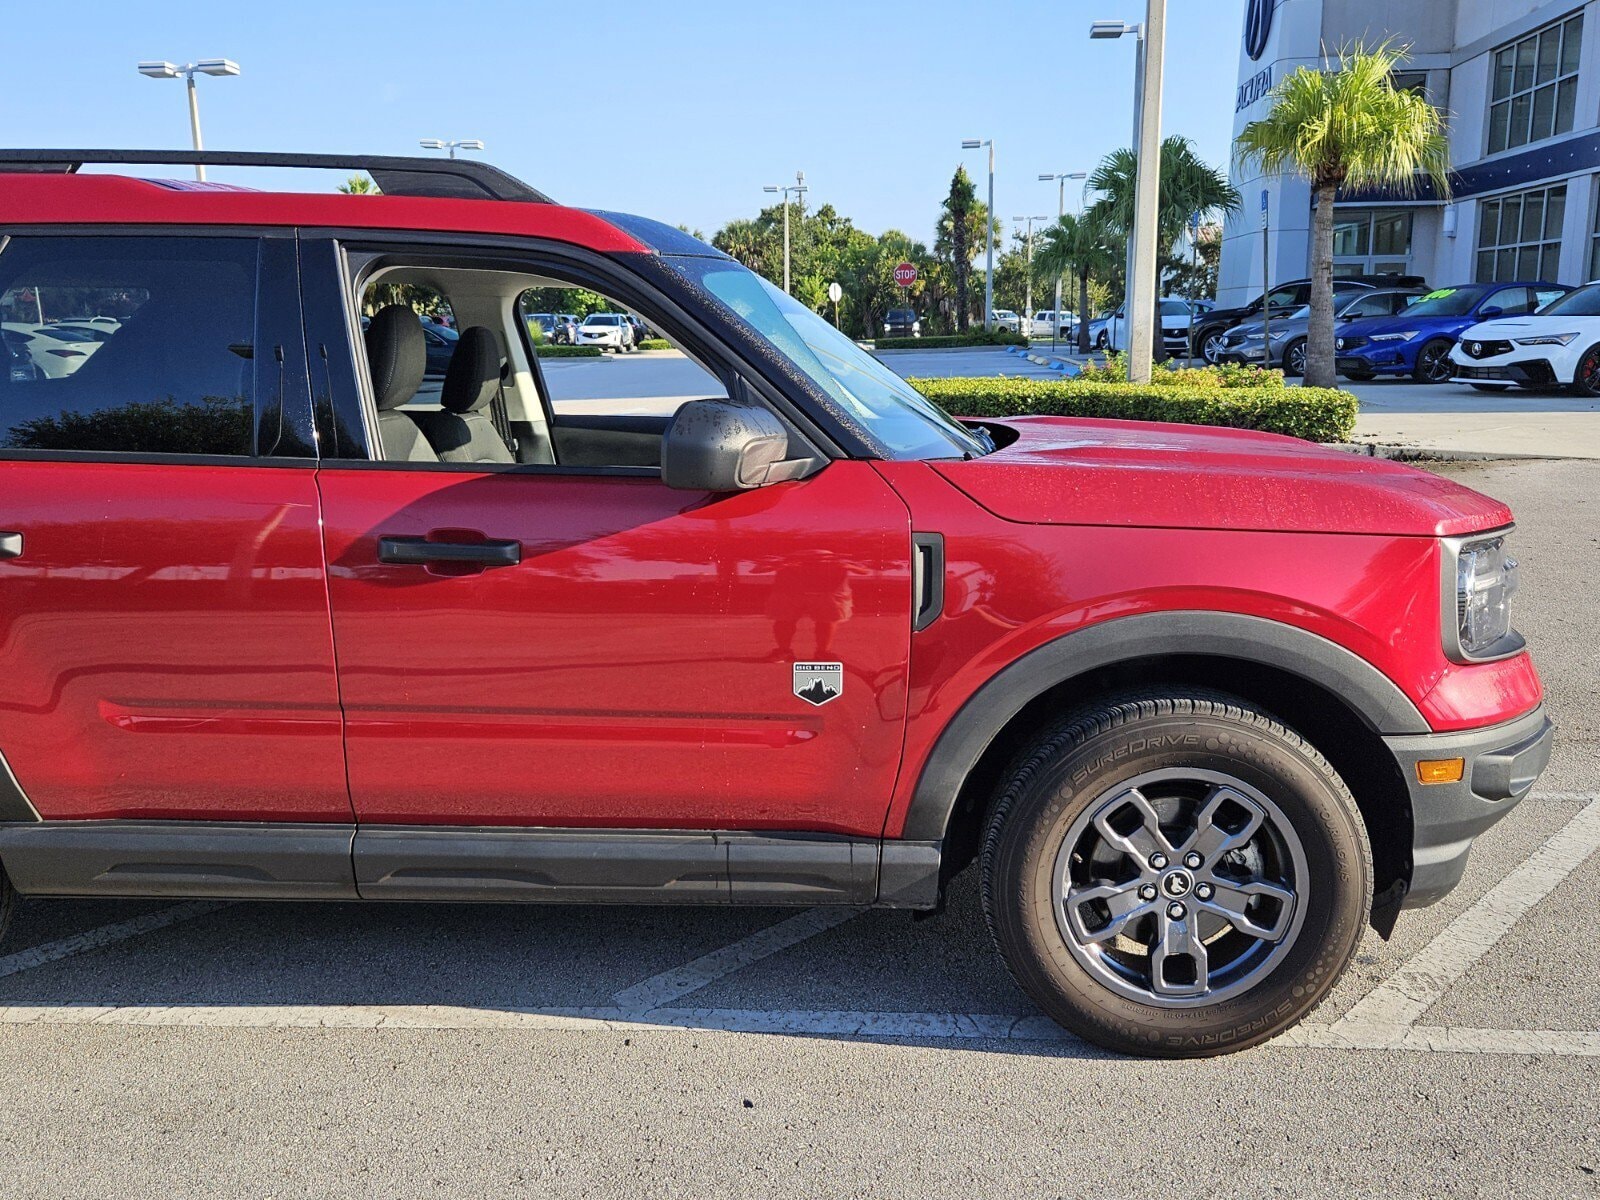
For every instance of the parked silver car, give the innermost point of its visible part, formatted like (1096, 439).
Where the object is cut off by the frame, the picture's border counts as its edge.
(1283, 343)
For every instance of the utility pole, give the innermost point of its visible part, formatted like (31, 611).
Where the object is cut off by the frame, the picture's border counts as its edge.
(988, 234)
(1027, 303)
(797, 188)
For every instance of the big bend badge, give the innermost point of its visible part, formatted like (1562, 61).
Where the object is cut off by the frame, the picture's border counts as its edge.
(818, 682)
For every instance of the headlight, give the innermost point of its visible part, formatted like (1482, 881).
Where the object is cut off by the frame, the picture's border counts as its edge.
(1395, 337)
(1479, 580)
(1546, 339)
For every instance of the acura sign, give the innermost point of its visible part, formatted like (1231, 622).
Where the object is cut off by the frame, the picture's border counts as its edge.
(1257, 27)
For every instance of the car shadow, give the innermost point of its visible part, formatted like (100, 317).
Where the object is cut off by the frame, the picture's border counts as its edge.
(877, 971)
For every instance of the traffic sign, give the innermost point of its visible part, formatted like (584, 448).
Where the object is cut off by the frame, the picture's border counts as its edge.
(905, 274)
(835, 292)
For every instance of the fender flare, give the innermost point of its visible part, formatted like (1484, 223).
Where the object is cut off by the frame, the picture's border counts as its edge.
(1369, 693)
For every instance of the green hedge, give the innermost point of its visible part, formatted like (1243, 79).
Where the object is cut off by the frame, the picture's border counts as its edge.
(942, 341)
(546, 350)
(655, 344)
(1317, 414)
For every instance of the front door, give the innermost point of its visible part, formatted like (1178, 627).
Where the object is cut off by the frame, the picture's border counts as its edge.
(565, 641)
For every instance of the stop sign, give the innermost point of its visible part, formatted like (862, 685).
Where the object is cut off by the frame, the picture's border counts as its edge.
(905, 274)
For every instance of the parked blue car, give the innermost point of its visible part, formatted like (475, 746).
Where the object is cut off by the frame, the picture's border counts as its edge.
(1417, 341)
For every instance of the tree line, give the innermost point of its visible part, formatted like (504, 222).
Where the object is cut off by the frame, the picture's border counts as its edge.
(1086, 249)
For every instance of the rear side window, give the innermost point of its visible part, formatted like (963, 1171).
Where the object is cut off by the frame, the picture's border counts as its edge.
(128, 345)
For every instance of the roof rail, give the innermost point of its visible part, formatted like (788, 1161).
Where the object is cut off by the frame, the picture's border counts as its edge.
(447, 178)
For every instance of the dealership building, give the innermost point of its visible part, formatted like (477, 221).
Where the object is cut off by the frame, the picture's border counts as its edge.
(1519, 81)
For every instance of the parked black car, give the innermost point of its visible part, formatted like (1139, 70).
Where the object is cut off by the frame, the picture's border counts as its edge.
(1280, 302)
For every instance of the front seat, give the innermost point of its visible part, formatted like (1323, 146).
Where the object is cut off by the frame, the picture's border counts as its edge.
(398, 357)
(463, 431)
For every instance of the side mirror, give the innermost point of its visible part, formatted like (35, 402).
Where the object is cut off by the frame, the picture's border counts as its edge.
(1491, 310)
(719, 446)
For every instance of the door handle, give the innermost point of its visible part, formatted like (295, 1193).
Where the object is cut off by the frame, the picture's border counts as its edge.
(10, 545)
(415, 551)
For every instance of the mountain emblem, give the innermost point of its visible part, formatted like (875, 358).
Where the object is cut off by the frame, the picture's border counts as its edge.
(817, 683)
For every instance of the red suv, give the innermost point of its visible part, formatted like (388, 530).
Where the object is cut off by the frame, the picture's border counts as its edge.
(285, 617)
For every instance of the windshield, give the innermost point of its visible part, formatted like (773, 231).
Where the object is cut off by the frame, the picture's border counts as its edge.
(1447, 302)
(895, 413)
(1584, 302)
(600, 319)
(901, 314)
(1174, 308)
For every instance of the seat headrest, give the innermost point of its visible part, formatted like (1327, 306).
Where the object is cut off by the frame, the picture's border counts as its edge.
(474, 372)
(397, 354)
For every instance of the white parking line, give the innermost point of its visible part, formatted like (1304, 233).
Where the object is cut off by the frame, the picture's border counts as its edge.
(692, 976)
(93, 939)
(888, 1026)
(1400, 1001)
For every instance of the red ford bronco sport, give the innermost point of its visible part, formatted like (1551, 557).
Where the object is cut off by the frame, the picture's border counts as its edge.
(294, 607)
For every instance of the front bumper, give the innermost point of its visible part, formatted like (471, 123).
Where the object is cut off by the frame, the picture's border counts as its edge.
(1528, 372)
(1380, 361)
(1502, 762)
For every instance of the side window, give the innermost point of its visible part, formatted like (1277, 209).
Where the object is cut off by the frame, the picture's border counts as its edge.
(139, 345)
(600, 361)
(1512, 301)
(1286, 297)
(1543, 296)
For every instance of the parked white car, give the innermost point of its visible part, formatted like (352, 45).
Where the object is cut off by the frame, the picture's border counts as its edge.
(1558, 345)
(607, 329)
(1047, 321)
(55, 352)
(1175, 321)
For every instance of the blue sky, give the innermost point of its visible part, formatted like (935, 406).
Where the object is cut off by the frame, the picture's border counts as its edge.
(678, 111)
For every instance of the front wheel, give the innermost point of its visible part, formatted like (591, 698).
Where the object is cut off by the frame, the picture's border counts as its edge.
(1175, 874)
(1294, 358)
(1586, 376)
(1433, 362)
(1212, 344)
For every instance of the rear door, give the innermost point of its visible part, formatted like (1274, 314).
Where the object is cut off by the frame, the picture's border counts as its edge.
(164, 632)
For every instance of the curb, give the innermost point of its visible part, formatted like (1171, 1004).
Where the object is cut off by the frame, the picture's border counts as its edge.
(1394, 452)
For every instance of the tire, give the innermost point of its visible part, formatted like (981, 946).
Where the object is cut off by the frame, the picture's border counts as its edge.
(1433, 362)
(1586, 375)
(1101, 340)
(1294, 358)
(1211, 345)
(1041, 832)
(8, 903)
(1491, 387)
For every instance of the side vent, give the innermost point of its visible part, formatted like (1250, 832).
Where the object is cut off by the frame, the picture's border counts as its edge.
(927, 578)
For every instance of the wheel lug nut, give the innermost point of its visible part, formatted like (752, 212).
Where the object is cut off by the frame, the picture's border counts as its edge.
(1158, 861)
(1203, 890)
(1192, 861)
(1147, 892)
(1176, 911)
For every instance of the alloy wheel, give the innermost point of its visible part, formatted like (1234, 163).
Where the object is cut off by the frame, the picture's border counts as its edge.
(1180, 887)
(1211, 348)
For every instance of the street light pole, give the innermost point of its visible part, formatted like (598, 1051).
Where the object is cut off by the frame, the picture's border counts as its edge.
(798, 188)
(1061, 211)
(1147, 193)
(451, 146)
(988, 234)
(161, 69)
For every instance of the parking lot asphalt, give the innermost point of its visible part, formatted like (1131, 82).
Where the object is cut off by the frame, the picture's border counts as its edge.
(210, 1049)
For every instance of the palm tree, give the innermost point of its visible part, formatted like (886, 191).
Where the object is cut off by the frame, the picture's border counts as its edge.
(1082, 247)
(358, 185)
(1189, 185)
(958, 236)
(1345, 126)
